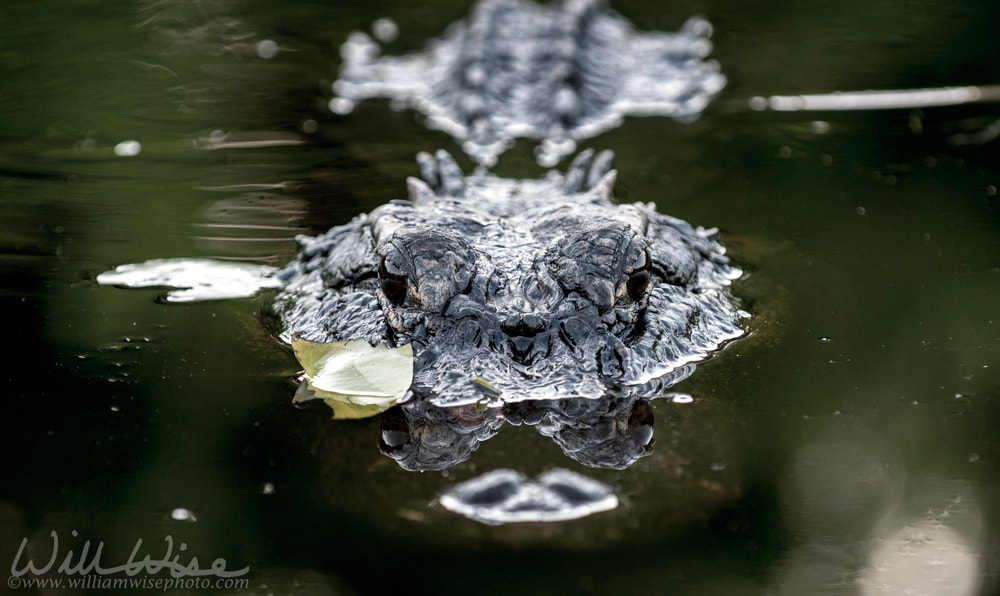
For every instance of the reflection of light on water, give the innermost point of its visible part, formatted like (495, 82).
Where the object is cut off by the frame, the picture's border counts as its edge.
(680, 398)
(183, 514)
(128, 149)
(385, 30)
(878, 100)
(859, 530)
(252, 224)
(839, 487)
(195, 279)
(928, 558)
(506, 496)
(266, 49)
(246, 140)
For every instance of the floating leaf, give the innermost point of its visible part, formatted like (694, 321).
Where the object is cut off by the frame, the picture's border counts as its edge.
(342, 405)
(356, 368)
(355, 379)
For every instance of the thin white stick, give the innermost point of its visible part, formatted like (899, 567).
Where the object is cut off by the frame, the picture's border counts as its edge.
(878, 100)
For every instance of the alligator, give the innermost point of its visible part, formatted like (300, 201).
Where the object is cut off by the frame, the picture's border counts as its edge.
(537, 302)
(541, 302)
(555, 73)
(514, 290)
(609, 432)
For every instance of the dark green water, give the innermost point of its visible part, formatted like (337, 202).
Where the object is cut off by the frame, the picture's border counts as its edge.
(846, 446)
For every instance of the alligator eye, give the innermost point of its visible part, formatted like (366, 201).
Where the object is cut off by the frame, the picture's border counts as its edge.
(393, 281)
(395, 430)
(638, 279)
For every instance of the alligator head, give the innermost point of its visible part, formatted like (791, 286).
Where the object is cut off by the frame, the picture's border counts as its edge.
(511, 290)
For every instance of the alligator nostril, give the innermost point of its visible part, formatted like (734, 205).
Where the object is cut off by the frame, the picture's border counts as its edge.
(519, 325)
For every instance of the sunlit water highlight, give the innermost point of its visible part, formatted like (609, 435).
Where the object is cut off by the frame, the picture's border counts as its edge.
(194, 279)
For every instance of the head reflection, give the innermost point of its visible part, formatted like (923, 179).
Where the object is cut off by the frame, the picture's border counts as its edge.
(609, 432)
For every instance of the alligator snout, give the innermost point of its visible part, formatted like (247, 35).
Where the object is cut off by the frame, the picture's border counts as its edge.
(525, 339)
(522, 325)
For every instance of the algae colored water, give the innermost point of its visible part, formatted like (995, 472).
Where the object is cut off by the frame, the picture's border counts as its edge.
(846, 444)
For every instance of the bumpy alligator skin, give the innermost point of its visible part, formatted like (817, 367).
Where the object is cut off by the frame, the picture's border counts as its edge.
(608, 432)
(514, 290)
(556, 73)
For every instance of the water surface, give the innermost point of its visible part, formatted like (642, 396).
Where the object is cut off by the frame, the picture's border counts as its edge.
(847, 441)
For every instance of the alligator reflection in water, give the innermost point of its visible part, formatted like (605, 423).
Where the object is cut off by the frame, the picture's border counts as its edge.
(554, 73)
(609, 432)
(507, 496)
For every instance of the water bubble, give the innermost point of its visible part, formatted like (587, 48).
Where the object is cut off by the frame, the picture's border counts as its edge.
(310, 126)
(698, 27)
(785, 151)
(266, 49)
(268, 489)
(183, 514)
(128, 149)
(547, 160)
(681, 398)
(341, 105)
(820, 127)
(385, 30)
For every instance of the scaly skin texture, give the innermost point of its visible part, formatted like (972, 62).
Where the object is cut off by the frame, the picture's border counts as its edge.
(546, 289)
(607, 432)
(556, 73)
